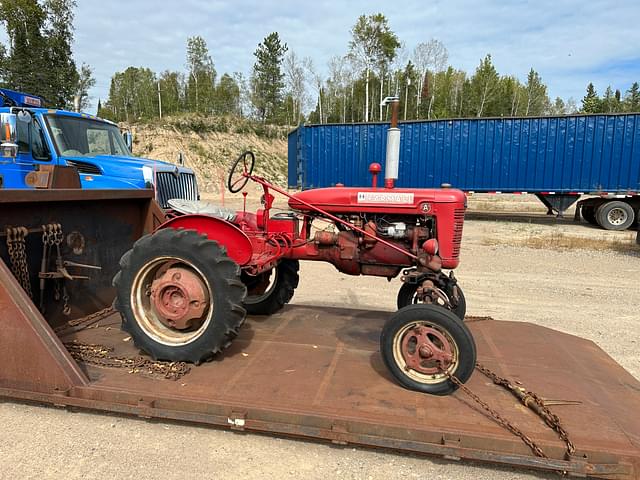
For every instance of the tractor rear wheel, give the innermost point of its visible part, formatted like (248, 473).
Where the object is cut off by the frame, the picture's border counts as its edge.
(407, 296)
(424, 345)
(180, 296)
(268, 292)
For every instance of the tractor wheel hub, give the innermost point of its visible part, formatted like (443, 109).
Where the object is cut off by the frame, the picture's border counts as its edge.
(179, 297)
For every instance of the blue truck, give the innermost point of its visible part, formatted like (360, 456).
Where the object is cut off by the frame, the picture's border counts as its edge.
(559, 159)
(34, 137)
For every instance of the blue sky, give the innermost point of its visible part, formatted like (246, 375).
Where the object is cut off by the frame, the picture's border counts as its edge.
(568, 42)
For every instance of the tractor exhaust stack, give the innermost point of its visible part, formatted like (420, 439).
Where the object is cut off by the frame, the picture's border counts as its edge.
(393, 144)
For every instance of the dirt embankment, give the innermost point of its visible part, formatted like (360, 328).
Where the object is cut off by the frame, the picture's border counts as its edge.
(210, 147)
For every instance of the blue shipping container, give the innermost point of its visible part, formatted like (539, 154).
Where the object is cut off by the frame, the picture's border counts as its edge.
(576, 153)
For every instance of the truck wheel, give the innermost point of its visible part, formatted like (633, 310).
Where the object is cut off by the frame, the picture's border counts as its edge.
(422, 345)
(407, 296)
(270, 291)
(615, 215)
(180, 296)
(589, 214)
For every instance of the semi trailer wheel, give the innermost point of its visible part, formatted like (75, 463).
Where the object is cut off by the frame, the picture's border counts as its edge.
(615, 215)
(407, 296)
(422, 345)
(270, 291)
(180, 296)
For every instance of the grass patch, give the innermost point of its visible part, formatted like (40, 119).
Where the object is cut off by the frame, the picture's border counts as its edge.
(562, 241)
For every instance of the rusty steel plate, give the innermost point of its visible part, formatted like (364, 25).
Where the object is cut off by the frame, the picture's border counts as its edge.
(317, 373)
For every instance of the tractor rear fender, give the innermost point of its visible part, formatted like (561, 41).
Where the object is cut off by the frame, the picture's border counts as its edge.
(226, 234)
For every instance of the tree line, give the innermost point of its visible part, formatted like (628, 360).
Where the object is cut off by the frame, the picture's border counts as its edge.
(287, 89)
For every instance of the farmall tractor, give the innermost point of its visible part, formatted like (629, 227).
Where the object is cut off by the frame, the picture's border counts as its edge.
(184, 291)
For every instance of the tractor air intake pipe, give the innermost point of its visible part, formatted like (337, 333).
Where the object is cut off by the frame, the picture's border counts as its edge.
(393, 144)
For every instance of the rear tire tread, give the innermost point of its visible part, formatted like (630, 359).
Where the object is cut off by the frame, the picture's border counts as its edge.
(222, 273)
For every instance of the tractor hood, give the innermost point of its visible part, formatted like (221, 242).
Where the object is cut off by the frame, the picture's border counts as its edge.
(376, 200)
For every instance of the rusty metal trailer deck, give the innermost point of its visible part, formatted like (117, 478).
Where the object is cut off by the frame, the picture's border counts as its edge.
(317, 373)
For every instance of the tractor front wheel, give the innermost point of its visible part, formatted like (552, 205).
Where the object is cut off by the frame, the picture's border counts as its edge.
(268, 292)
(423, 346)
(408, 296)
(180, 296)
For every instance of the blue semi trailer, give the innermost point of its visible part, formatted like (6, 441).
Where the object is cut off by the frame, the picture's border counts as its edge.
(559, 159)
(35, 138)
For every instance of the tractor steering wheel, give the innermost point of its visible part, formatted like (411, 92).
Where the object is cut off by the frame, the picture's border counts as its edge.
(246, 160)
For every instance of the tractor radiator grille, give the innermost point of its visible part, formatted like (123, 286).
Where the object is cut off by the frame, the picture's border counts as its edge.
(169, 185)
(458, 218)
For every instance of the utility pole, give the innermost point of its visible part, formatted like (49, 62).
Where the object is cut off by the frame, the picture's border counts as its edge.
(159, 100)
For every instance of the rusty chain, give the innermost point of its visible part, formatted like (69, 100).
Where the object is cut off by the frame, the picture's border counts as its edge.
(17, 249)
(529, 399)
(102, 356)
(83, 322)
(535, 403)
(497, 417)
(52, 237)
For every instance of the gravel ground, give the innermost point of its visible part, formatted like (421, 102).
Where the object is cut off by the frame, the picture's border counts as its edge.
(593, 294)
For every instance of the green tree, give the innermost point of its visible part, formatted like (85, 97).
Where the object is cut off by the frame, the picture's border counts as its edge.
(171, 92)
(84, 84)
(536, 92)
(611, 101)
(60, 66)
(372, 45)
(591, 102)
(24, 21)
(267, 79)
(202, 75)
(227, 96)
(631, 102)
(559, 107)
(40, 59)
(133, 95)
(484, 88)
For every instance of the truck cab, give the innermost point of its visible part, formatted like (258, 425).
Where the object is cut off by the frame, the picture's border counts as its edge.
(95, 147)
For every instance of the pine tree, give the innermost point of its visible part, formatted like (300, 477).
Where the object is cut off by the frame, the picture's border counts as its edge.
(591, 102)
(59, 65)
(484, 87)
(631, 101)
(537, 99)
(267, 79)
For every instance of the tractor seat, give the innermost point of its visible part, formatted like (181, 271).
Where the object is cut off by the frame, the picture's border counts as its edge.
(198, 207)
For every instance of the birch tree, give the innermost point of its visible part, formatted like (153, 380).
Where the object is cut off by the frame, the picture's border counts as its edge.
(372, 45)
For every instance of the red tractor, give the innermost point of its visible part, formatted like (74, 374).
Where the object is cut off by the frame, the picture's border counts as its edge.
(184, 291)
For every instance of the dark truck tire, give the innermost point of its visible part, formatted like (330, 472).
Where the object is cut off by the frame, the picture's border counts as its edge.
(407, 292)
(400, 344)
(589, 214)
(277, 294)
(201, 258)
(615, 215)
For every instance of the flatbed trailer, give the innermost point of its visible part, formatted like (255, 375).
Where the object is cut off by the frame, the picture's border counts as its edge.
(306, 372)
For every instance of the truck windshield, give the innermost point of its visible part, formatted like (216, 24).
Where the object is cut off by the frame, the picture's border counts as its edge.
(83, 137)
